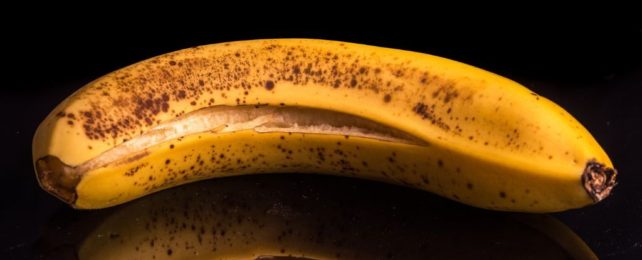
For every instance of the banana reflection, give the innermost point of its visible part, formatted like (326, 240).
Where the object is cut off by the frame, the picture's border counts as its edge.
(317, 217)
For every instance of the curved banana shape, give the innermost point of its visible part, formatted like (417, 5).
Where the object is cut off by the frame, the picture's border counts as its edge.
(250, 218)
(315, 106)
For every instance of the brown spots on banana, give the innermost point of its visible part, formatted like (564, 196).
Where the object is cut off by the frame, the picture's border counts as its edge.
(387, 98)
(269, 85)
(428, 113)
(142, 96)
(470, 186)
(135, 169)
(341, 159)
(446, 92)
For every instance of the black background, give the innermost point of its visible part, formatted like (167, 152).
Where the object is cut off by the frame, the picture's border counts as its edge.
(593, 69)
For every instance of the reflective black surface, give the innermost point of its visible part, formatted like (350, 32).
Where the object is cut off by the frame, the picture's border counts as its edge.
(595, 72)
(304, 216)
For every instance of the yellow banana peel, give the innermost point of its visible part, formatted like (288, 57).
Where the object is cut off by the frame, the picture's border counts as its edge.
(317, 106)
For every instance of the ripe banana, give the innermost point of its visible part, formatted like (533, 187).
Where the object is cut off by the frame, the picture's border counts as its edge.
(316, 106)
(277, 216)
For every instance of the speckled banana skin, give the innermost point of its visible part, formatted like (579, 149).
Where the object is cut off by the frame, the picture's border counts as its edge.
(244, 218)
(485, 140)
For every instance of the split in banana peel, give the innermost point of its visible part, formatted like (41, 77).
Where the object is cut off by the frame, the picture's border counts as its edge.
(316, 106)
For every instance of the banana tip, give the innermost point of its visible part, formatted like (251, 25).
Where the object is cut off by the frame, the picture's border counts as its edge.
(57, 178)
(598, 180)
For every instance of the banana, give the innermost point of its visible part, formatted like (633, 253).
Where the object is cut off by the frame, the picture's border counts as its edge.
(277, 216)
(317, 106)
